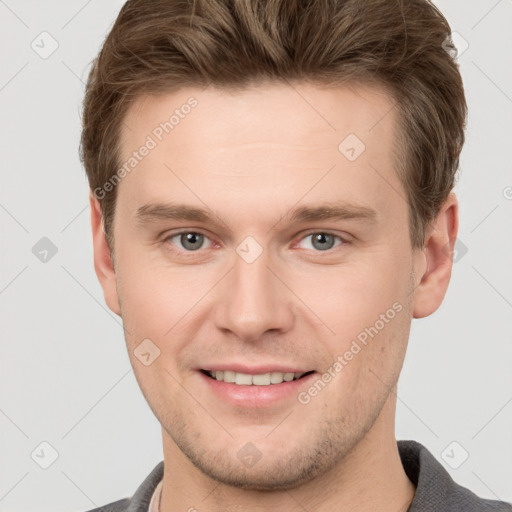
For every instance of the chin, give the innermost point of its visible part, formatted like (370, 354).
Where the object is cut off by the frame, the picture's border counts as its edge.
(272, 469)
(269, 477)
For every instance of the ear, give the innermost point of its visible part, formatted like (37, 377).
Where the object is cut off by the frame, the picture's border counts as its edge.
(438, 250)
(102, 258)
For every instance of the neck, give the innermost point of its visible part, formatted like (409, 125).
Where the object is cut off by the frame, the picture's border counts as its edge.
(371, 477)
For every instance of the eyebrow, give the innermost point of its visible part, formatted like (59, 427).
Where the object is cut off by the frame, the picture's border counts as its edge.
(154, 212)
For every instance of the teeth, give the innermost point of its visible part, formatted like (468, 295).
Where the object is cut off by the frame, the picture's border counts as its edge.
(229, 376)
(261, 380)
(245, 379)
(276, 377)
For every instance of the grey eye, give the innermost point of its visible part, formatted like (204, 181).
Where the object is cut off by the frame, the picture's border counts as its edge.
(190, 241)
(321, 241)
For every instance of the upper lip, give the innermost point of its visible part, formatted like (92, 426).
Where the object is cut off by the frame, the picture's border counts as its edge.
(254, 370)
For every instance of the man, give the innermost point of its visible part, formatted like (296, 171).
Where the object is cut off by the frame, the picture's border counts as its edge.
(271, 205)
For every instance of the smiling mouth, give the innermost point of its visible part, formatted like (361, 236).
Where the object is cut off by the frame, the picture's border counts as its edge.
(245, 379)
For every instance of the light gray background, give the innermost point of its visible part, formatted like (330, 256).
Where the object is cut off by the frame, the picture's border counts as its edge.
(65, 377)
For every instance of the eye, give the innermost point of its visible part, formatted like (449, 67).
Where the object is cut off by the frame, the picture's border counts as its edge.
(192, 241)
(189, 240)
(320, 241)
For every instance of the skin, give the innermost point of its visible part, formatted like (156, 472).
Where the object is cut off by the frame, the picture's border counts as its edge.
(251, 157)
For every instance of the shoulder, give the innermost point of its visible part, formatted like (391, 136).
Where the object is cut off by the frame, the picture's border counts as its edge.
(116, 506)
(141, 499)
(435, 488)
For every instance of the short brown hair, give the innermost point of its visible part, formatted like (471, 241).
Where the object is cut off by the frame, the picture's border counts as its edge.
(156, 46)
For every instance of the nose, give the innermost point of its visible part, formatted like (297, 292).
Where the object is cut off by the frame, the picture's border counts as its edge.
(254, 300)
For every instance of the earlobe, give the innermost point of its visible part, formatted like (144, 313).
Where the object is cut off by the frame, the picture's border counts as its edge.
(102, 258)
(438, 250)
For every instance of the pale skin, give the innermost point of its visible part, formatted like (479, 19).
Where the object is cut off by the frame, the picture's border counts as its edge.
(250, 158)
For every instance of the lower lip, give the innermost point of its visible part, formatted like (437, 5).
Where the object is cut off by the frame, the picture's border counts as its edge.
(256, 396)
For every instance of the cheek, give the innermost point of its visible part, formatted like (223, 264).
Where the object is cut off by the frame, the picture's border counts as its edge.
(149, 310)
(145, 308)
(368, 362)
(350, 297)
(366, 306)
(158, 301)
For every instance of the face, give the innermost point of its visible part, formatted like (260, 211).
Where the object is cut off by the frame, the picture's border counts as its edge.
(264, 236)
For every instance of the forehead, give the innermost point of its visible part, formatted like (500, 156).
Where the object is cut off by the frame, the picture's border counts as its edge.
(296, 112)
(285, 140)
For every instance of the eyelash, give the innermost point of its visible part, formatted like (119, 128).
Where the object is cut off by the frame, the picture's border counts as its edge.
(344, 241)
